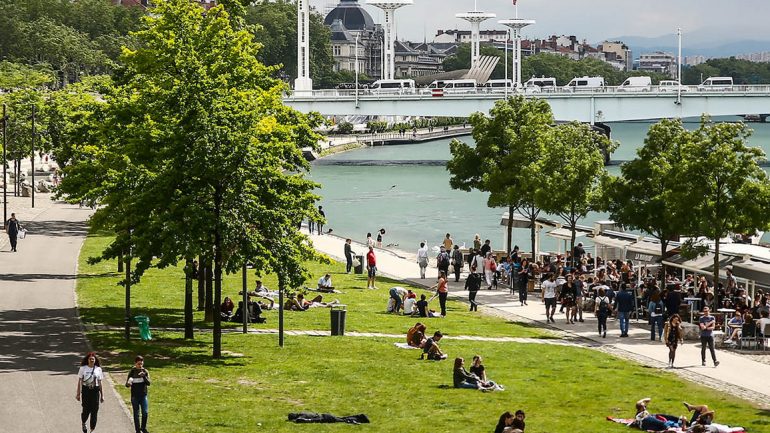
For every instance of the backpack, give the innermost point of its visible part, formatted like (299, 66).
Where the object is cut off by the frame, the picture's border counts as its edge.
(443, 260)
(604, 307)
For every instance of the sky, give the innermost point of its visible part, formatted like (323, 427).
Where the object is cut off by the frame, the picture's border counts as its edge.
(593, 20)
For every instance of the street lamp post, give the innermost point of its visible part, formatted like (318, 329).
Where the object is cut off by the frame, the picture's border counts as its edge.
(127, 331)
(5, 165)
(679, 67)
(356, 69)
(507, 37)
(32, 158)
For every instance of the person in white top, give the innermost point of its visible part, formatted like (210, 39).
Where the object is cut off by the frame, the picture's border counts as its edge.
(325, 283)
(422, 259)
(89, 392)
(549, 297)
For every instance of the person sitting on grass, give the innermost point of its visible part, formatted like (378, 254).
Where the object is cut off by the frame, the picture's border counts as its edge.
(422, 306)
(325, 284)
(505, 423)
(461, 378)
(226, 309)
(518, 422)
(410, 303)
(477, 368)
(415, 336)
(431, 349)
(644, 420)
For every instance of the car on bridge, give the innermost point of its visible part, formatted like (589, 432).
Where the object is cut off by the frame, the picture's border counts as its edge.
(716, 84)
(671, 86)
(392, 87)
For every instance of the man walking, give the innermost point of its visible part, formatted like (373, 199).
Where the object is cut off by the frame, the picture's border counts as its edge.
(624, 305)
(706, 323)
(442, 261)
(320, 223)
(472, 285)
(422, 259)
(549, 297)
(12, 227)
(348, 255)
(457, 262)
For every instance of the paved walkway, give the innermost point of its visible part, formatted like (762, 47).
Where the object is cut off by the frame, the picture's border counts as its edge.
(41, 338)
(736, 374)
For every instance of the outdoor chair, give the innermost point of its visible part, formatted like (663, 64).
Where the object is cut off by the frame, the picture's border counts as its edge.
(764, 339)
(748, 335)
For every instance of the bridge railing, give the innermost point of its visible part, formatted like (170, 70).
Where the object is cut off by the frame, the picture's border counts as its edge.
(367, 94)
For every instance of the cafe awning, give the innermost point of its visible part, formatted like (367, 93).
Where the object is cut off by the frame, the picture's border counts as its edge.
(753, 270)
(702, 264)
(611, 242)
(645, 251)
(565, 234)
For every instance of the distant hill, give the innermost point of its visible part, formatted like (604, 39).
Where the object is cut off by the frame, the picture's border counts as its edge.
(705, 42)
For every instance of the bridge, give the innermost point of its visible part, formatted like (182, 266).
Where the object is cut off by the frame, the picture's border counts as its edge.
(608, 104)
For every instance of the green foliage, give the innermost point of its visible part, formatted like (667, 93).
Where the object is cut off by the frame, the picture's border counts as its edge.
(73, 38)
(742, 71)
(376, 126)
(344, 128)
(645, 196)
(504, 162)
(20, 137)
(462, 59)
(18, 76)
(275, 26)
(575, 164)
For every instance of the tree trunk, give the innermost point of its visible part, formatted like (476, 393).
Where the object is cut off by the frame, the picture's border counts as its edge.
(218, 272)
(209, 307)
(281, 287)
(532, 232)
(663, 248)
(716, 273)
(120, 263)
(510, 228)
(572, 244)
(201, 283)
(188, 300)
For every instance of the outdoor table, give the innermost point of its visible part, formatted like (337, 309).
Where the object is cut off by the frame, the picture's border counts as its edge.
(725, 312)
(696, 302)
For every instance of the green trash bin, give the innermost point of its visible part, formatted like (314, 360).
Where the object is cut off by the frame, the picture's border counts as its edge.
(144, 327)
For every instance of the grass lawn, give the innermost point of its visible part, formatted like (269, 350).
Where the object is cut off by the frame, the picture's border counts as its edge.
(255, 386)
(562, 389)
(160, 296)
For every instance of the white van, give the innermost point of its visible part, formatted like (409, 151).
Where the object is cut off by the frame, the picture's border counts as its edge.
(542, 84)
(636, 84)
(459, 86)
(499, 86)
(716, 84)
(437, 84)
(671, 86)
(389, 87)
(585, 84)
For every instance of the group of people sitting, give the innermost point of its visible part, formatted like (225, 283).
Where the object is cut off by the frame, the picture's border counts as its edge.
(701, 420)
(416, 337)
(404, 301)
(265, 301)
(511, 423)
(476, 378)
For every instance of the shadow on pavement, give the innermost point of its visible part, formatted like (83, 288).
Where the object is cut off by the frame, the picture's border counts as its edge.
(56, 228)
(40, 339)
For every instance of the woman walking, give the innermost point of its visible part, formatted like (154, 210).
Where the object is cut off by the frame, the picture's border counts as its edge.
(673, 335)
(523, 281)
(441, 292)
(89, 392)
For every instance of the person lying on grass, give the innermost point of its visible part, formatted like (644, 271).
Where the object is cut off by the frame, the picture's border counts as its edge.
(301, 304)
(644, 420)
(431, 349)
(415, 336)
(461, 378)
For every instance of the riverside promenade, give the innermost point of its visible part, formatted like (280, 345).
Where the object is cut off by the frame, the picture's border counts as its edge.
(41, 337)
(738, 374)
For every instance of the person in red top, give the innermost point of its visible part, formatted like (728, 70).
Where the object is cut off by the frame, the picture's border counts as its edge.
(371, 266)
(441, 292)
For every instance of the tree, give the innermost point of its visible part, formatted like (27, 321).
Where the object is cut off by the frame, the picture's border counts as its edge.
(201, 157)
(723, 184)
(574, 163)
(645, 197)
(18, 76)
(509, 143)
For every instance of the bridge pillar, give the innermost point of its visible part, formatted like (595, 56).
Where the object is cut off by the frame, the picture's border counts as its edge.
(389, 7)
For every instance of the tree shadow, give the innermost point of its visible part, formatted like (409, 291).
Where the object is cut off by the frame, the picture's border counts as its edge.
(41, 339)
(57, 228)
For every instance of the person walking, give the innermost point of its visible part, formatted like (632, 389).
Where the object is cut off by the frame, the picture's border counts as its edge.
(602, 309)
(348, 255)
(441, 291)
(138, 380)
(12, 228)
(549, 297)
(371, 267)
(422, 259)
(656, 319)
(707, 323)
(523, 282)
(320, 223)
(448, 242)
(624, 305)
(457, 261)
(472, 285)
(89, 392)
(673, 335)
(442, 261)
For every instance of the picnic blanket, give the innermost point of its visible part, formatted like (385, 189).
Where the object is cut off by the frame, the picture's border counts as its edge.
(720, 427)
(405, 346)
(312, 417)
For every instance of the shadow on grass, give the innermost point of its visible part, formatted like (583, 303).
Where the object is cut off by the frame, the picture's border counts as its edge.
(115, 316)
(161, 352)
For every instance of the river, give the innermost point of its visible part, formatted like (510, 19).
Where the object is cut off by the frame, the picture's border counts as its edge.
(405, 190)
